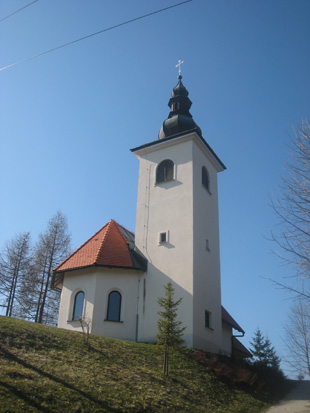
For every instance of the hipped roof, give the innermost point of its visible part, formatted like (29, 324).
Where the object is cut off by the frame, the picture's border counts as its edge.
(112, 246)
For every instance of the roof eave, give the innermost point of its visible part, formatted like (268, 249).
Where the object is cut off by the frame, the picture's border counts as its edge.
(100, 266)
(228, 319)
(161, 141)
(234, 326)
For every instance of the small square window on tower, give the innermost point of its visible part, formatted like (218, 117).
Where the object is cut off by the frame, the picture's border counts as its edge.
(163, 237)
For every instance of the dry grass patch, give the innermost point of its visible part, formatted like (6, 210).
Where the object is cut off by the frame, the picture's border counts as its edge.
(51, 370)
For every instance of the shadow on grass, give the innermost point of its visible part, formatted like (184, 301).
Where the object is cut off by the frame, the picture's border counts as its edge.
(12, 357)
(23, 396)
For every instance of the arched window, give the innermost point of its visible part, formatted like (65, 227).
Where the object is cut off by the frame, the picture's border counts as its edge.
(164, 171)
(78, 305)
(114, 306)
(205, 178)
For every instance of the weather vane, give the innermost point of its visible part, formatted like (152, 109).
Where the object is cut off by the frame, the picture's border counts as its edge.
(180, 62)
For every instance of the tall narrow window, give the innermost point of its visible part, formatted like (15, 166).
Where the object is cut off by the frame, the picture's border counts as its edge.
(164, 171)
(205, 178)
(114, 306)
(208, 319)
(207, 245)
(78, 305)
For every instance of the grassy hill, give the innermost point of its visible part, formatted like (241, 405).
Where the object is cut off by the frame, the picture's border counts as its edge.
(52, 370)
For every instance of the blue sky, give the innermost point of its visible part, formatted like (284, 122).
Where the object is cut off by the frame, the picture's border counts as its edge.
(69, 118)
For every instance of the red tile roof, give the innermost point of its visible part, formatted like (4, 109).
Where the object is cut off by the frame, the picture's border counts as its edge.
(111, 246)
(227, 318)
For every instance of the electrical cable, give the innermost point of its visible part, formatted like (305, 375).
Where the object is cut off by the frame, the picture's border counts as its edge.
(93, 34)
(16, 11)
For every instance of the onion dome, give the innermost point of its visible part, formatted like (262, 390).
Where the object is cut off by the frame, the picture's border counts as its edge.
(179, 120)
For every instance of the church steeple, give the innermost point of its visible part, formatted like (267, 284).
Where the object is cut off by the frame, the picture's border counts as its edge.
(179, 120)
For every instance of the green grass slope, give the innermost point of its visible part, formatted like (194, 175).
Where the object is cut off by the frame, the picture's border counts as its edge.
(52, 370)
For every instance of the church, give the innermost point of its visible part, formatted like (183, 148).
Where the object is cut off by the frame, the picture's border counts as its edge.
(113, 281)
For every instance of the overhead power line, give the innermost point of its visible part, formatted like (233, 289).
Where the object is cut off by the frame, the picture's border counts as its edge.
(93, 34)
(16, 11)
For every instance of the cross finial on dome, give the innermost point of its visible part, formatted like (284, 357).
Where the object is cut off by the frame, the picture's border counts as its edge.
(180, 62)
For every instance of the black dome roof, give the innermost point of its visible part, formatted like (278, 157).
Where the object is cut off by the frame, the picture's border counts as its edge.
(179, 120)
(179, 89)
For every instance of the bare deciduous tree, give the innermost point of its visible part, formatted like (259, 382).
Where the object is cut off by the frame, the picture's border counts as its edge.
(15, 263)
(86, 324)
(53, 246)
(293, 212)
(25, 273)
(297, 338)
(293, 207)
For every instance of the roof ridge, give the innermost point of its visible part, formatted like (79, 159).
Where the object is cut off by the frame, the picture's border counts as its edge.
(103, 239)
(121, 232)
(125, 229)
(80, 247)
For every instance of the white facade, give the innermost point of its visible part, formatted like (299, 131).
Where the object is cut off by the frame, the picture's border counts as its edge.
(97, 283)
(188, 213)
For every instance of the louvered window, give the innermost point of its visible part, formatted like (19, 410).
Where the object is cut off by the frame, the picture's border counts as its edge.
(164, 171)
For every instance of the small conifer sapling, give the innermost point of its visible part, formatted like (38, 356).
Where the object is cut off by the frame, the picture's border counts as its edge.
(169, 328)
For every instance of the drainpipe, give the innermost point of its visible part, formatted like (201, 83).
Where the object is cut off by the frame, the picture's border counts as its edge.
(137, 313)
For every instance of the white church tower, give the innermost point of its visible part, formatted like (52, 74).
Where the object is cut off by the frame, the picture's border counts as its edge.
(177, 227)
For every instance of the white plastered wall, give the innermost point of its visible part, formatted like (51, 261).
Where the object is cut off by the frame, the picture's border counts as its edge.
(166, 207)
(127, 283)
(207, 276)
(73, 282)
(97, 283)
(189, 214)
